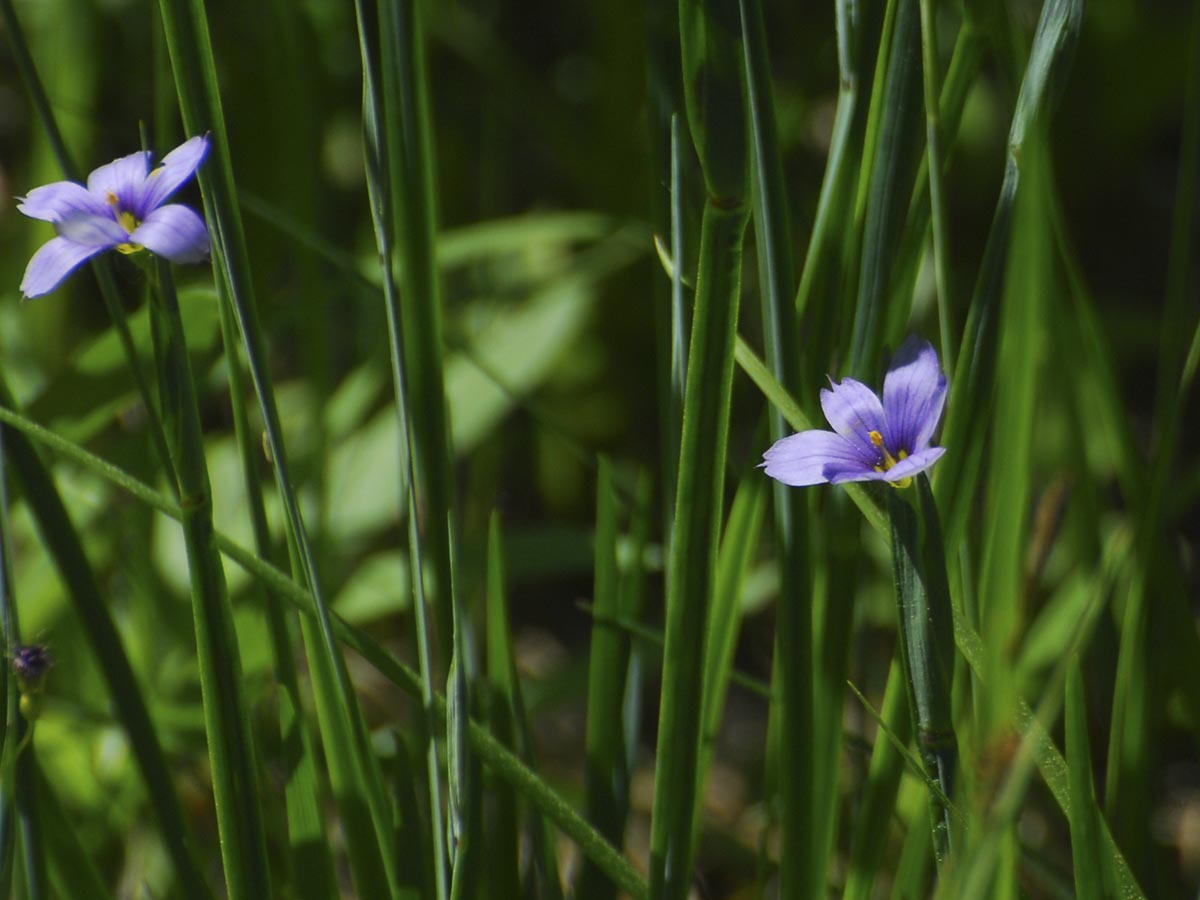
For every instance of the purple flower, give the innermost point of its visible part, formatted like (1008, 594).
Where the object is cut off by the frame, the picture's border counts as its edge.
(870, 441)
(122, 207)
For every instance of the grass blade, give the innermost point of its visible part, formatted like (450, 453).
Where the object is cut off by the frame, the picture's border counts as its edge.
(230, 742)
(1090, 865)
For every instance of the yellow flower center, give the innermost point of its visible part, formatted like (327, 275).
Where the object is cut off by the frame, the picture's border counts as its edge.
(126, 220)
(888, 460)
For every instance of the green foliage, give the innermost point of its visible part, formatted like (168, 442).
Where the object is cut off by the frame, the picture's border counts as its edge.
(476, 378)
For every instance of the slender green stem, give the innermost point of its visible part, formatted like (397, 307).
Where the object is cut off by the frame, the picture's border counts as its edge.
(933, 142)
(230, 742)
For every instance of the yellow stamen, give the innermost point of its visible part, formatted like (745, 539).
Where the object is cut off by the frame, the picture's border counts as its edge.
(888, 460)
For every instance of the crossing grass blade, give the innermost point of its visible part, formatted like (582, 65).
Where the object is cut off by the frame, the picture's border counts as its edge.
(354, 773)
(62, 542)
(883, 783)
(73, 875)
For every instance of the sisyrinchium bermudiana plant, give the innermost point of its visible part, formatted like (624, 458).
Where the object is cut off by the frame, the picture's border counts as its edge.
(123, 208)
(872, 440)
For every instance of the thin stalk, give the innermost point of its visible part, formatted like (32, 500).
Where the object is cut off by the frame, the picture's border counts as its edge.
(927, 648)
(354, 772)
(933, 143)
(230, 742)
(693, 546)
(379, 190)
(801, 858)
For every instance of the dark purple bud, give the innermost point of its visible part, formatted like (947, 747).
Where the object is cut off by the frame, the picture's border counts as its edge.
(30, 663)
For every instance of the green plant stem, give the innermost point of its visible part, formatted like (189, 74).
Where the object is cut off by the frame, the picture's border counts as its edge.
(926, 644)
(230, 743)
(694, 545)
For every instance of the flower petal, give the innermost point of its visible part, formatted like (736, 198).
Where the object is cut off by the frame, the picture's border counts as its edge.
(53, 262)
(54, 202)
(854, 411)
(914, 392)
(177, 167)
(813, 457)
(92, 231)
(914, 464)
(122, 178)
(174, 232)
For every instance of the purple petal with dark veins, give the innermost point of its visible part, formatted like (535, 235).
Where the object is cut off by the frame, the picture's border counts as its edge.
(813, 457)
(174, 232)
(177, 167)
(853, 410)
(55, 201)
(914, 392)
(914, 464)
(53, 262)
(122, 177)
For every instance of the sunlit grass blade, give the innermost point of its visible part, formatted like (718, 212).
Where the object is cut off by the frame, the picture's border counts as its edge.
(231, 745)
(62, 542)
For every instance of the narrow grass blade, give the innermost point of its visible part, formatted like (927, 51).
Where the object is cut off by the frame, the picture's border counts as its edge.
(230, 742)
(937, 200)
(800, 854)
(63, 544)
(713, 76)
(504, 832)
(927, 649)
(883, 783)
(896, 158)
(509, 704)
(410, 161)
(1089, 864)
(353, 771)
(1049, 60)
(379, 188)
(737, 550)
(606, 772)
